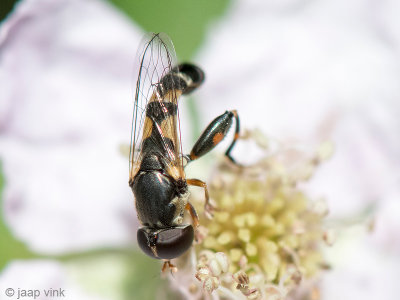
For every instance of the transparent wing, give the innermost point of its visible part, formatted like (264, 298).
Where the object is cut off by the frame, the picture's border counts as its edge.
(156, 59)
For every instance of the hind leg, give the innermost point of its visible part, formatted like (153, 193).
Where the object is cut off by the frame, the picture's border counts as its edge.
(214, 134)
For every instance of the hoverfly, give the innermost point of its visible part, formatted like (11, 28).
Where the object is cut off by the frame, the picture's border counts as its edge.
(156, 162)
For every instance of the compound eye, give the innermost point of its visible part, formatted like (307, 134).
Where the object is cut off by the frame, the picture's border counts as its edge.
(165, 243)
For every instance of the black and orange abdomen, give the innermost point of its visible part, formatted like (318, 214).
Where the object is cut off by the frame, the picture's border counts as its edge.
(160, 132)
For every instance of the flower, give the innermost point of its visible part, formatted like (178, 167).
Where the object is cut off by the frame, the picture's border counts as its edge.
(280, 67)
(301, 70)
(266, 233)
(309, 71)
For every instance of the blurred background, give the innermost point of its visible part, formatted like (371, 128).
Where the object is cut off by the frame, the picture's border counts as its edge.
(301, 71)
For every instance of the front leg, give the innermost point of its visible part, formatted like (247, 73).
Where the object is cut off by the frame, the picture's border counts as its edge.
(168, 265)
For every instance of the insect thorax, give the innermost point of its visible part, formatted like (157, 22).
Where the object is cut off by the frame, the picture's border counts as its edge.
(160, 199)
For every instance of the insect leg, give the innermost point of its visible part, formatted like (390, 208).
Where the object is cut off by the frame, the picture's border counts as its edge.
(214, 134)
(235, 137)
(198, 235)
(193, 214)
(208, 207)
(168, 265)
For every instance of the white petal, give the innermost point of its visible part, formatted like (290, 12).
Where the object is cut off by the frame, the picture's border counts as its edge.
(312, 71)
(65, 107)
(316, 70)
(361, 271)
(41, 276)
(386, 229)
(387, 22)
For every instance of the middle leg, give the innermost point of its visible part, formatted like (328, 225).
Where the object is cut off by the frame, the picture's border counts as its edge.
(208, 207)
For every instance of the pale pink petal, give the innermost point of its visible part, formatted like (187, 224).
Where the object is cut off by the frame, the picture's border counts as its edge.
(307, 71)
(39, 277)
(66, 82)
(361, 271)
(385, 17)
(314, 72)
